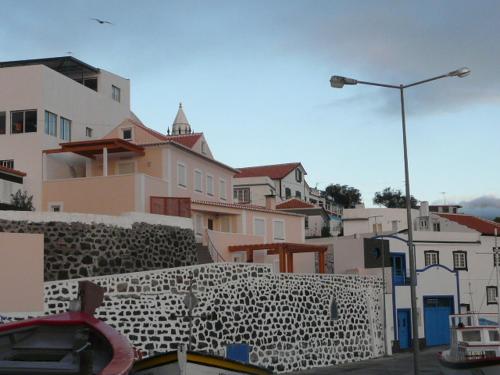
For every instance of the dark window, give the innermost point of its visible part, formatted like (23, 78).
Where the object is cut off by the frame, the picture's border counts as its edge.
(491, 295)
(288, 193)
(116, 94)
(306, 222)
(496, 257)
(3, 127)
(298, 175)
(88, 132)
(127, 134)
(65, 132)
(398, 266)
(445, 209)
(460, 260)
(298, 195)
(431, 257)
(242, 195)
(436, 227)
(9, 163)
(23, 122)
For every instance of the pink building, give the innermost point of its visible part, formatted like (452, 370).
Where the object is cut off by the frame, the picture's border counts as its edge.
(136, 169)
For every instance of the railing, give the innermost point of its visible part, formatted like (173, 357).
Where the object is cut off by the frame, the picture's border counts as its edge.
(216, 256)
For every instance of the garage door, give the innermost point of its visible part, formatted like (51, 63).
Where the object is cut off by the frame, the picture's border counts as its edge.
(437, 326)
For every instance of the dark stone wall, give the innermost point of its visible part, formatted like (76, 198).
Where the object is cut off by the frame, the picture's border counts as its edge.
(74, 250)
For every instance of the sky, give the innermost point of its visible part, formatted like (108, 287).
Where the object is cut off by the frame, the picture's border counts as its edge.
(253, 75)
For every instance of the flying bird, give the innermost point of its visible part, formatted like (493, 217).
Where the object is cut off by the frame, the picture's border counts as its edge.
(101, 21)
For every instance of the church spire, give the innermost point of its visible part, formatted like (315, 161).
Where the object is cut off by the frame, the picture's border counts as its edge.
(181, 124)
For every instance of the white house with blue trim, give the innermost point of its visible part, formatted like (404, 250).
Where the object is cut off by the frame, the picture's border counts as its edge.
(453, 268)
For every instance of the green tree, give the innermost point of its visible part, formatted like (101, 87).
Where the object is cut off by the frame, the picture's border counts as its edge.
(393, 198)
(497, 219)
(344, 195)
(21, 201)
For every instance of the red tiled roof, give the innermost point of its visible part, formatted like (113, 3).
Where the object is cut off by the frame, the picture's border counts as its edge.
(276, 171)
(294, 203)
(250, 207)
(12, 171)
(188, 140)
(481, 225)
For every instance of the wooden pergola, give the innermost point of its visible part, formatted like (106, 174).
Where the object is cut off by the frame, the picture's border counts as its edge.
(285, 250)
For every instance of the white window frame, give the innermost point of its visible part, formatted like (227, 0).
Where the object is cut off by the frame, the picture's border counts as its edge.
(242, 190)
(116, 93)
(210, 187)
(459, 257)
(433, 258)
(62, 132)
(254, 227)
(222, 192)
(491, 299)
(179, 184)
(51, 206)
(199, 173)
(123, 130)
(274, 230)
(52, 132)
(203, 147)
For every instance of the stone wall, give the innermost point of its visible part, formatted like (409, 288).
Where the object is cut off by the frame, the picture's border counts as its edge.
(286, 318)
(75, 249)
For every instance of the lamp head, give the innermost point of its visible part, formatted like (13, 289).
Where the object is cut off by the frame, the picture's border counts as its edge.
(338, 81)
(460, 73)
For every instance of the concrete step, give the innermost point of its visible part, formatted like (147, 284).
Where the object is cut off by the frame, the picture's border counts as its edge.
(203, 254)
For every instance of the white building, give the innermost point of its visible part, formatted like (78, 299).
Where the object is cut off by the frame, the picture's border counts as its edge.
(50, 101)
(454, 271)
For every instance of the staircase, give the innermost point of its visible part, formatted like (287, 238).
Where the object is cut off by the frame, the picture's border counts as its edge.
(203, 254)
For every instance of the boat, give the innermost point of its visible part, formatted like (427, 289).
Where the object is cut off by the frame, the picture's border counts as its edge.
(70, 343)
(183, 362)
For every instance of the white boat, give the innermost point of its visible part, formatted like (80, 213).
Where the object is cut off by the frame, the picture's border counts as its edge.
(193, 363)
(474, 346)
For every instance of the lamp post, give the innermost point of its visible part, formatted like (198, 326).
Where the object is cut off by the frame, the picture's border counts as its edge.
(339, 82)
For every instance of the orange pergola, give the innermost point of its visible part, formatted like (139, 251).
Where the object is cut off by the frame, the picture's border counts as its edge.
(285, 250)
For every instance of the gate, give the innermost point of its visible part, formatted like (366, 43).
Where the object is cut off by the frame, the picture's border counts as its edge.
(436, 322)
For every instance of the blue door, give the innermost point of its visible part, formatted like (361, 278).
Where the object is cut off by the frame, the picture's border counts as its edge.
(404, 328)
(437, 325)
(398, 266)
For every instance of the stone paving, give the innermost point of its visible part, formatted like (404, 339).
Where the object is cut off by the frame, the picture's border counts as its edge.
(398, 364)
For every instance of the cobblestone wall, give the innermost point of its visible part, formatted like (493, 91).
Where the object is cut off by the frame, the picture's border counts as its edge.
(75, 250)
(286, 318)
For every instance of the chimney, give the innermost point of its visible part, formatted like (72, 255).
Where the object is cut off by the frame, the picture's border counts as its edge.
(271, 202)
(424, 208)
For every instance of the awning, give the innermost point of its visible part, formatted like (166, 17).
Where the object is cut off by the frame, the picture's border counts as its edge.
(95, 147)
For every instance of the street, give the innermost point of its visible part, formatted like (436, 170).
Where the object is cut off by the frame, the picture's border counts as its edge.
(398, 364)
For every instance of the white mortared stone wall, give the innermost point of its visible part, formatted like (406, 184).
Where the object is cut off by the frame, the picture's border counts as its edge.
(286, 318)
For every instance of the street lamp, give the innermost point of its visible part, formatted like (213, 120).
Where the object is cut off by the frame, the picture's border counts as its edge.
(339, 82)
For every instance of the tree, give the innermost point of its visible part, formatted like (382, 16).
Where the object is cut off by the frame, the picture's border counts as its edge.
(393, 198)
(344, 195)
(21, 201)
(497, 219)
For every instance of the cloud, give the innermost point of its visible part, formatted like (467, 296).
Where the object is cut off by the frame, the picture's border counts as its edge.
(487, 206)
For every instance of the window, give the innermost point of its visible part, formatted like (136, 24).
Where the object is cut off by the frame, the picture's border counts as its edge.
(395, 225)
(23, 121)
(55, 206)
(377, 228)
(259, 227)
(210, 185)
(298, 175)
(306, 222)
(181, 175)
(3, 127)
(127, 134)
(431, 257)
(496, 256)
(203, 148)
(65, 129)
(197, 181)
(50, 123)
(436, 227)
(288, 193)
(88, 132)
(491, 295)
(398, 265)
(222, 189)
(115, 94)
(460, 260)
(9, 163)
(298, 195)
(242, 195)
(278, 230)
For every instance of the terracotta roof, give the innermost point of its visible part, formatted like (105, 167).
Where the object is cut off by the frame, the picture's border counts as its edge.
(242, 206)
(483, 226)
(188, 140)
(276, 171)
(12, 171)
(294, 203)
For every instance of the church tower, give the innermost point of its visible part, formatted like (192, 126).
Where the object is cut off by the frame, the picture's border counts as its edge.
(181, 124)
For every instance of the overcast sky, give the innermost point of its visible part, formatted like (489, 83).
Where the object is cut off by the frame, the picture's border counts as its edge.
(254, 77)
